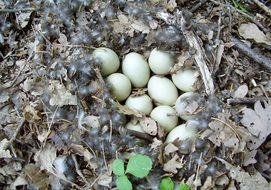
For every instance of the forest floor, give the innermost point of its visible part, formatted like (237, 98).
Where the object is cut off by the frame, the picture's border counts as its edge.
(61, 129)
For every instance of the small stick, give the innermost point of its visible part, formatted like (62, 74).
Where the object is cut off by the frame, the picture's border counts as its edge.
(235, 101)
(255, 56)
(17, 10)
(263, 7)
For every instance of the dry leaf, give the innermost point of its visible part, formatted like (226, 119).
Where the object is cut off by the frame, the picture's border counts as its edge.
(258, 123)
(105, 180)
(250, 158)
(24, 18)
(173, 164)
(46, 157)
(127, 111)
(4, 153)
(140, 26)
(170, 148)
(251, 31)
(148, 125)
(34, 176)
(246, 181)
(156, 144)
(241, 91)
(60, 96)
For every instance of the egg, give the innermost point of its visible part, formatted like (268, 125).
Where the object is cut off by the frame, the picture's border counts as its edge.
(181, 104)
(142, 103)
(181, 132)
(162, 90)
(109, 60)
(135, 127)
(160, 62)
(119, 85)
(136, 68)
(185, 80)
(165, 116)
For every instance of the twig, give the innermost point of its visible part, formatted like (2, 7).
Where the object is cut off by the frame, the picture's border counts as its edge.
(17, 10)
(263, 7)
(235, 101)
(234, 131)
(202, 2)
(242, 13)
(255, 56)
(191, 38)
(78, 171)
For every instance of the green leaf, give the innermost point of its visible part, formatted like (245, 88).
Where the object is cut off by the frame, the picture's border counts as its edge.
(184, 186)
(139, 165)
(166, 184)
(118, 167)
(123, 183)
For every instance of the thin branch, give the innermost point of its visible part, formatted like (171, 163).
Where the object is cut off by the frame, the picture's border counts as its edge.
(255, 56)
(263, 7)
(236, 101)
(17, 10)
(192, 40)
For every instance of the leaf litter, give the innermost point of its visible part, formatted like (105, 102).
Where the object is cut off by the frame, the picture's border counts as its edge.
(47, 60)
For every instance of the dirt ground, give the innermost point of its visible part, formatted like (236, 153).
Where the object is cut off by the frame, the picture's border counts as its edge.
(62, 128)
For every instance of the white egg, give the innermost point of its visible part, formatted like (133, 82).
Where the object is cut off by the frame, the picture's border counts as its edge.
(165, 116)
(135, 127)
(181, 132)
(142, 103)
(136, 68)
(162, 90)
(109, 60)
(181, 104)
(185, 80)
(160, 62)
(119, 85)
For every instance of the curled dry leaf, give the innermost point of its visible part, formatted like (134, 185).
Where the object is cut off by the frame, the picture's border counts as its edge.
(258, 123)
(170, 148)
(148, 125)
(127, 111)
(60, 96)
(174, 164)
(156, 144)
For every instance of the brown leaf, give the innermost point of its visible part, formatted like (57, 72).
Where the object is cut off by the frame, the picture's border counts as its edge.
(173, 164)
(38, 179)
(127, 111)
(170, 148)
(148, 125)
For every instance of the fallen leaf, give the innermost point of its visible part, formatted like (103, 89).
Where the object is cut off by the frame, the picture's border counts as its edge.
(105, 180)
(148, 125)
(246, 181)
(258, 123)
(37, 178)
(46, 157)
(251, 31)
(3, 152)
(173, 164)
(170, 148)
(60, 96)
(127, 111)
(250, 158)
(156, 144)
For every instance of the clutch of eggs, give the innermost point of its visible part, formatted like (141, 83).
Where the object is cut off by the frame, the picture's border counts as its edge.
(164, 101)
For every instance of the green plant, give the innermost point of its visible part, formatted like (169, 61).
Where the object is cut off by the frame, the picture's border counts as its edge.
(138, 165)
(168, 184)
(238, 5)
